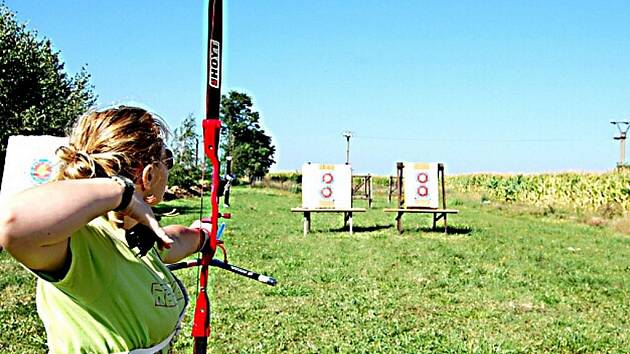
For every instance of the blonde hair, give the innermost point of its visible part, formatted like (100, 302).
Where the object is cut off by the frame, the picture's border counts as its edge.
(114, 141)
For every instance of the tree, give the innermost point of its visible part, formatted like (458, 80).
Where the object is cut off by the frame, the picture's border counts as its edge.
(185, 172)
(36, 96)
(243, 138)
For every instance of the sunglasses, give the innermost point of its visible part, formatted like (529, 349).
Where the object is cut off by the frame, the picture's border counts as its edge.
(168, 159)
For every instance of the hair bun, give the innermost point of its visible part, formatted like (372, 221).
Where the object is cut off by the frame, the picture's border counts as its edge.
(76, 163)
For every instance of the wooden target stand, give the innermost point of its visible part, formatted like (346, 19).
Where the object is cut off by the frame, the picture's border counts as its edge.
(436, 213)
(362, 189)
(347, 214)
(392, 187)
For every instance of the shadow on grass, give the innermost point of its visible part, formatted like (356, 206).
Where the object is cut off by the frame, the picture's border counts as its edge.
(452, 230)
(168, 210)
(363, 228)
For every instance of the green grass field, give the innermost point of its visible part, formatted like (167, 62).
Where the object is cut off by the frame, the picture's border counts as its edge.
(505, 280)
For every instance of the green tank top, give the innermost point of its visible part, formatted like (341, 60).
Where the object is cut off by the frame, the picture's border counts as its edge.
(109, 301)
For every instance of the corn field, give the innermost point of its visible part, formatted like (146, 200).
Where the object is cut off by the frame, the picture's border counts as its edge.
(582, 192)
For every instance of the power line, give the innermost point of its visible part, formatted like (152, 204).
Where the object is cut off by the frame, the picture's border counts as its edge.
(547, 140)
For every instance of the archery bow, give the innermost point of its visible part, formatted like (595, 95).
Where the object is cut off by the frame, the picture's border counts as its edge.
(211, 132)
(141, 238)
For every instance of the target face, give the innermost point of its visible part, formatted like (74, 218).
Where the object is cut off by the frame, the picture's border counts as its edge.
(326, 192)
(30, 161)
(327, 181)
(420, 185)
(41, 171)
(326, 186)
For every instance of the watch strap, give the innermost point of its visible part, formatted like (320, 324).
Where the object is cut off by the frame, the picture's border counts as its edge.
(129, 188)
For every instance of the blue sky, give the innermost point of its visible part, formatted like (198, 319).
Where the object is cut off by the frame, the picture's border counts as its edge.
(496, 86)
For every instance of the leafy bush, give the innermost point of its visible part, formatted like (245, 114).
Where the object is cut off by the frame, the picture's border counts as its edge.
(37, 97)
(186, 171)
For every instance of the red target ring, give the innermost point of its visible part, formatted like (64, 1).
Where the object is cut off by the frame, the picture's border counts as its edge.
(423, 177)
(326, 192)
(327, 178)
(423, 191)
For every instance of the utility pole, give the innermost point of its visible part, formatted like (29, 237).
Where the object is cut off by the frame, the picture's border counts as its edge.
(347, 134)
(623, 129)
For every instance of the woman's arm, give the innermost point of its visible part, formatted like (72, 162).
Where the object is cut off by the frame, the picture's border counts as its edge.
(186, 242)
(35, 225)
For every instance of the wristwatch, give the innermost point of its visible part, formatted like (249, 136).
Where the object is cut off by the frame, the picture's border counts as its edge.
(129, 188)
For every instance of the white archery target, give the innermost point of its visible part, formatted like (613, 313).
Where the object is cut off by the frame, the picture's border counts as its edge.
(326, 186)
(30, 161)
(421, 185)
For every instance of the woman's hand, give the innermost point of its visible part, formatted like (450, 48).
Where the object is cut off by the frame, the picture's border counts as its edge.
(141, 212)
(198, 224)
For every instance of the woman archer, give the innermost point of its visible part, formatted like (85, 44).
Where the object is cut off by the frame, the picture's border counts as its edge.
(94, 293)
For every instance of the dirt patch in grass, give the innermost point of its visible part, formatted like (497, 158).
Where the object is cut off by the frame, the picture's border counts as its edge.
(622, 224)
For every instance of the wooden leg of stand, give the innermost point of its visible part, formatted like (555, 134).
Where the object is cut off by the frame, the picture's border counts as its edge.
(307, 222)
(445, 225)
(350, 222)
(399, 222)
